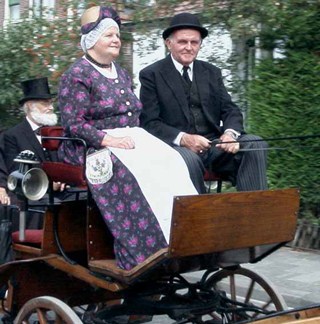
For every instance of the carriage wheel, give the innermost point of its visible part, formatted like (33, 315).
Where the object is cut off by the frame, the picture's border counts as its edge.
(245, 288)
(46, 309)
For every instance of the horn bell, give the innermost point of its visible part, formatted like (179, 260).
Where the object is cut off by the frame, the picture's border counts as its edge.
(35, 184)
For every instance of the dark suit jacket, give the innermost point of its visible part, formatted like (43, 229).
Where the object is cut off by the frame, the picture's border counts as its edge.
(14, 140)
(165, 107)
(3, 167)
(19, 138)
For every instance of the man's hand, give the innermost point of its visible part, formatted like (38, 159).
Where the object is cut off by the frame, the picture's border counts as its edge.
(195, 143)
(4, 198)
(228, 147)
(58, 186)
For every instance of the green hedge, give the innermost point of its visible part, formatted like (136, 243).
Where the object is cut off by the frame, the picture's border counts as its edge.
(285, 101)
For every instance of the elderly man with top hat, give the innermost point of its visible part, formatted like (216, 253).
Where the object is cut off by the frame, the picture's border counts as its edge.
(37, 104)
(186, 104)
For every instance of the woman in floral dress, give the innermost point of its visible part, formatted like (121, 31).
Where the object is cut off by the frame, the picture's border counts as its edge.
(95, 95)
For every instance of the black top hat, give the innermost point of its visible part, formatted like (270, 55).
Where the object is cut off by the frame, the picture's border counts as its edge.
(35, 89)
(182, 21)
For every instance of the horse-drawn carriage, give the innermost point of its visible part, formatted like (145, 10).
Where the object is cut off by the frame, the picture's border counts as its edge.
(66, 272)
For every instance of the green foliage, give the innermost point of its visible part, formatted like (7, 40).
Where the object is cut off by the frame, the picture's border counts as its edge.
(34, 48)
(299, 25)
(284, 101)
(14, 64)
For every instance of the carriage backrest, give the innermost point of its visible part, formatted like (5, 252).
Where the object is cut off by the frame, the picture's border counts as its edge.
(74, 175)
(51, 131)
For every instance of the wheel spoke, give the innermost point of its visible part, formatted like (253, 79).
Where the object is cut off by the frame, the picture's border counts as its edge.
(267, 304)
(41, 316)
(233, 287)
(247, 288)
(58, 320)
(40, 307)
(249, 292)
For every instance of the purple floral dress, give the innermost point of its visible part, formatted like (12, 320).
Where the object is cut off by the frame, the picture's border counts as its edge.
(89, 102)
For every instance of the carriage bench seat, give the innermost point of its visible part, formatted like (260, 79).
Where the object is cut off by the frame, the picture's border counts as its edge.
(73, 175)
(222, 230)
(210, 176)
(31, 245)
(69, 229)
(32, 236)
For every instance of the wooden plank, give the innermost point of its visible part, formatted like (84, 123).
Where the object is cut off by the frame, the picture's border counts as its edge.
(109, 267)
(308, 315)
(83, 274)
(217, 222)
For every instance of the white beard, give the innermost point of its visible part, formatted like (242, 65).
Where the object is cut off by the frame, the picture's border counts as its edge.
(43, 118)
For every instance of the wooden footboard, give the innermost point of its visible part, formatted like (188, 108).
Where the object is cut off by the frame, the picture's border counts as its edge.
(206, 224)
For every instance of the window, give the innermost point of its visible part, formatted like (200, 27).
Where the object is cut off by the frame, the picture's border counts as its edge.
(43, 8)
(75, 10)
(81, 7)
(14, 9)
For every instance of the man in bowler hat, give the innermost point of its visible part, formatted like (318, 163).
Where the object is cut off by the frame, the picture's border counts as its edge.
(186, 104)
(37, 104)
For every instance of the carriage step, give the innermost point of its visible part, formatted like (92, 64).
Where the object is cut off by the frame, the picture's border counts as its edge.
(109, 267)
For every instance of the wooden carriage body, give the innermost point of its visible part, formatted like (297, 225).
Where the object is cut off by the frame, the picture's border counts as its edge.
(72, 257)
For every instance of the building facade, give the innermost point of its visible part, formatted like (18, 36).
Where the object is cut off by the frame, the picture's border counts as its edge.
(139, 48)
(13, 10)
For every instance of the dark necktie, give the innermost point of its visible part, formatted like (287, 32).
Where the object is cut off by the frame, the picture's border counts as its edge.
(38, 131)
(185, 76)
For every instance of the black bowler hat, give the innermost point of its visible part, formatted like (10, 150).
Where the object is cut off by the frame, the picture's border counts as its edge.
(35, 89)
(182, 21)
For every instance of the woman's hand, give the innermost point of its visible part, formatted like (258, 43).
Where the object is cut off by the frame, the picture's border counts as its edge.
(119, 142)
(4, 198)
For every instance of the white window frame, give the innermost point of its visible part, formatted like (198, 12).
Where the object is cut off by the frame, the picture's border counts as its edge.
(43, 8)
(13, 10)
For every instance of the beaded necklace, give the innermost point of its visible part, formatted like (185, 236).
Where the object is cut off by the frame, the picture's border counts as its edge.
(92, 60)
